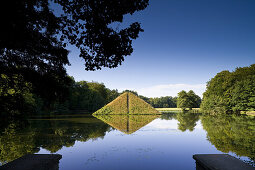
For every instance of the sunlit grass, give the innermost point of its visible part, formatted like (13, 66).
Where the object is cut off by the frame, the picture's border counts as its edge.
(250, 113)
(174, 109)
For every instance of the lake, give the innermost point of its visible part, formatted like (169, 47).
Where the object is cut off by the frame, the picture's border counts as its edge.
(166, 141)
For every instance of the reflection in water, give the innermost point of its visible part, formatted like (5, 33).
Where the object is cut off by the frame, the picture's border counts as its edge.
(187, 120)
(231, 133)
(228, 133)
(127, 124)
(23, 137)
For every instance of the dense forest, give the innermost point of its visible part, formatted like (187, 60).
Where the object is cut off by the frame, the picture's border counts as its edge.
(83, 96)
(231, 91)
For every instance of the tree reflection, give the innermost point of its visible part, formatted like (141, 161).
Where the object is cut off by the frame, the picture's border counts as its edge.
(168, 115)
(187, 120)
(14, 144)
(231, 133)
(19, 138)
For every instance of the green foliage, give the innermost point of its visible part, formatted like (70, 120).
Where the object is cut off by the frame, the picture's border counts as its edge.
(163, 102)
(183, 100)
(33, 46)
(188, 100)
(15, 95)
(127, 103)
(34, 36)
(88, 96)
(231, 91)
(231, 133)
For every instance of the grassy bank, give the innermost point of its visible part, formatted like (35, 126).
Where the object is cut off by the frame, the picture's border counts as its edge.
(173, 109)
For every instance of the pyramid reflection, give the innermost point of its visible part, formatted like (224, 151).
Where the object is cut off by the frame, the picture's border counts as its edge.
(127, 124)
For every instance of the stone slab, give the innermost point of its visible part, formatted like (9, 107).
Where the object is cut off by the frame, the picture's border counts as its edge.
(220, 162)
(34, 162)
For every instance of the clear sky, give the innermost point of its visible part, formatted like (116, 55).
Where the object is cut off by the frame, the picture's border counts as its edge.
(184, 44)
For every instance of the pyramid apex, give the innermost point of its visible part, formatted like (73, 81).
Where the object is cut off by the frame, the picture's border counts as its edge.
(127, 103)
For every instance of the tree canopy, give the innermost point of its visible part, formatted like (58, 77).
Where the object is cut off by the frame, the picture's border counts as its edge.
(231, 91)
(35, 33)
(188, 100)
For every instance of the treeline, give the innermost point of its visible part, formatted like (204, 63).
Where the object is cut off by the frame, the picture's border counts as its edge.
(184, 100)
(20, 98)
(158, 102)
(231, 91)
(161, 102)
(52, 96)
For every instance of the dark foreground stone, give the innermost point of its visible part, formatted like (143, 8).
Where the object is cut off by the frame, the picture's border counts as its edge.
(34, 162)
(219, 162)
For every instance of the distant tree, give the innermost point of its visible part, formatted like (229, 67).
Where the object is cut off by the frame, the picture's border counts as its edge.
(131, 91)
(111, 95)
(163, 102)
(183, 100)
(174, 101)
(90, 96)
(196, 100)
(146, 99)
(188, 100)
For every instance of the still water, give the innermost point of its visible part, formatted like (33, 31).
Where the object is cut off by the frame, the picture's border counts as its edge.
(126, 142)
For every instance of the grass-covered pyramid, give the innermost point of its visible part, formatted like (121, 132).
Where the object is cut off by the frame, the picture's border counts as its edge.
(127, 123)
(127, 103)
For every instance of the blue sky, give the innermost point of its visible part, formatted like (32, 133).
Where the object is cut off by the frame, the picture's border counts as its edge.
(184, 44)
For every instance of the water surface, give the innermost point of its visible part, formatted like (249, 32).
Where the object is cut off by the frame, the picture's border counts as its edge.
(135, 142)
